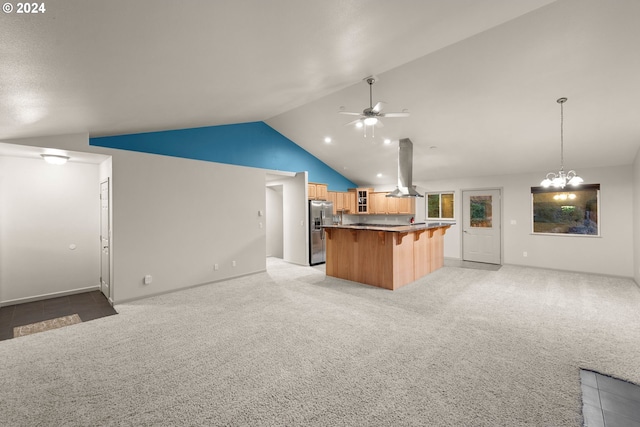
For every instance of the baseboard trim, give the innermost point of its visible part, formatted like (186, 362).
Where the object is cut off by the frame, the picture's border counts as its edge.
(616, 276)
(170, 291)
(49, 296)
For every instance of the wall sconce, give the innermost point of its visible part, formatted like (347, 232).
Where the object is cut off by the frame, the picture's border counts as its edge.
(55, 159)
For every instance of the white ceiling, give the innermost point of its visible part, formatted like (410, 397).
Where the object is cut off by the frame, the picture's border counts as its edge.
(29, 152)
(480, 78)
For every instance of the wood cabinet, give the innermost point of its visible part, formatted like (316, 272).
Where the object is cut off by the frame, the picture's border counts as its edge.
(406, 205)
(342, 201)
(392, 205)
(362, 200)
(321, 191)
(378, 203)
(332, 196)
(385, 258)
(317, 191)
(338, 204)
(349, 201)
(381, 204)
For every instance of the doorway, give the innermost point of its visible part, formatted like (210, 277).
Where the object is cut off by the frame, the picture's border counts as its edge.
(105, 233)
(274, 221)
(482, 226)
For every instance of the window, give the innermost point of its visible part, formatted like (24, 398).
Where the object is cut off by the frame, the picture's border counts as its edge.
(440, 205)
(481, 211)
(568, 211)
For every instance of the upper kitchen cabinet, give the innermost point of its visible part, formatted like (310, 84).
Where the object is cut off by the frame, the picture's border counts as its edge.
(378, 203)
(338, 204)
(332, 196)
(317, 191)
(392, 204)
(363, 201)
(349, 201)
(381, 204)
(341, 201)
(406, 205)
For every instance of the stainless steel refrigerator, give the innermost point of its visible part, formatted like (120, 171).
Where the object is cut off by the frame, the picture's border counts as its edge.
(320, 213)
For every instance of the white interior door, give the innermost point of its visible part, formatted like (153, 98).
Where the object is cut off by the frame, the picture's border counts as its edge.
(105, 232)
(482, 224)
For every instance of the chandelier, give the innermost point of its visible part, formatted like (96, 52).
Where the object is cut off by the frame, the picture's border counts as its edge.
(562, 178)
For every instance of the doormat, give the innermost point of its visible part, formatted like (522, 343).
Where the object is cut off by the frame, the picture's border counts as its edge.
(20, 331)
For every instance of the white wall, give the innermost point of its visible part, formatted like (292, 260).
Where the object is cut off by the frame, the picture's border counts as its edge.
(175, 218)
(274, 221)
(609, 254)
(636, 218)
(44, 210)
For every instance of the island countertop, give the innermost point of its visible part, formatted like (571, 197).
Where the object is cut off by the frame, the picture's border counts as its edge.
(386, 256)
(399, 228)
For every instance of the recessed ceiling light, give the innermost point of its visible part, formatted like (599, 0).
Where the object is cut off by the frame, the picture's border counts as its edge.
(387, 141)
(327, 139)
(379, 175)
(359, 124)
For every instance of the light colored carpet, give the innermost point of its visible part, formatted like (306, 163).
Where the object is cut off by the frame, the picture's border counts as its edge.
(460, 347)
(46, 325)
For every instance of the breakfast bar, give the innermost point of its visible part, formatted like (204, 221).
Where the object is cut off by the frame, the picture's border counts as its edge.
(385, 256)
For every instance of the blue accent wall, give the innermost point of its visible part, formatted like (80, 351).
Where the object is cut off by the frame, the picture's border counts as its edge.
(254, 144)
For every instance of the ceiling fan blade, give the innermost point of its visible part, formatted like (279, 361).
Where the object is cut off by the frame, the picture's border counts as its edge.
(379, 124)
(394, 115)
(378, 107)
(353, 122)
(349, 113)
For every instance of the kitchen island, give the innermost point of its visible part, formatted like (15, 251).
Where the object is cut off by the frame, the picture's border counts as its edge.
(384, 256)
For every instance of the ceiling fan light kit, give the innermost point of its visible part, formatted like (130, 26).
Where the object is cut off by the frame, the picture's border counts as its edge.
(371, 115)
(561, 178)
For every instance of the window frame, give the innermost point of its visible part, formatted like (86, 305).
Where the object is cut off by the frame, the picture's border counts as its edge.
(538, 190)
(440, 194)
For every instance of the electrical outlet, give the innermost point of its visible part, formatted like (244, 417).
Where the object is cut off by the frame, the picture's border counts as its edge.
(233, 263)
(524, 254)
(148, 279)
(215, 267)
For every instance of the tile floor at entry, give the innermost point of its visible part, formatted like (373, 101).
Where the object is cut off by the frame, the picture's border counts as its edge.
(609, 402)
(87, 305)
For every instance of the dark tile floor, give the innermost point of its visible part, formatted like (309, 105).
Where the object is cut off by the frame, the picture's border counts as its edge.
(88, 305)
(609, 402)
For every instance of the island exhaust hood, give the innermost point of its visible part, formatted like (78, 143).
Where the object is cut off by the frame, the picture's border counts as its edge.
(405, 171)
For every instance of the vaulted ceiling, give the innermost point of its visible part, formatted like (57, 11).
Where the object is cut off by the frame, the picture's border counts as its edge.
(479, 78)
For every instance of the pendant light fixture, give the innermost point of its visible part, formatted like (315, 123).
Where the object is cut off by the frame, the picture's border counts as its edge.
(561, 179)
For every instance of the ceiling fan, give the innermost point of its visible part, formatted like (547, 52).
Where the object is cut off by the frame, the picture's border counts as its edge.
(371, 116)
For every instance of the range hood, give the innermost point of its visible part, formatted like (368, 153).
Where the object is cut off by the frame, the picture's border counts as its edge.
(405, 171)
